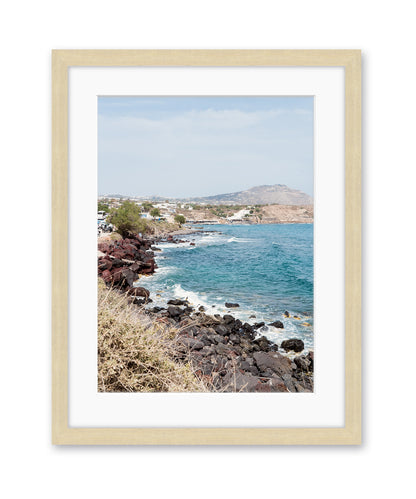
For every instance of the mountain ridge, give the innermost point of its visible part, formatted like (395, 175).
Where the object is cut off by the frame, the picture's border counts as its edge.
(261, 194)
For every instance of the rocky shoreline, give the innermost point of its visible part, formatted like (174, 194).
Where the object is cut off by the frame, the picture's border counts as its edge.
(228, 355)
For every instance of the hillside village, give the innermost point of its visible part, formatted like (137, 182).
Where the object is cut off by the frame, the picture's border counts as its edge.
(204, 213)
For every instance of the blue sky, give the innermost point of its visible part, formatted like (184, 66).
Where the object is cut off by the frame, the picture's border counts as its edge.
(201, 146)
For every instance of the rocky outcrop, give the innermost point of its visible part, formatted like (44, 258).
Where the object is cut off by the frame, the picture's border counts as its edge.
(121, 262)
(277, 324)
(230, 355)
(293, 344)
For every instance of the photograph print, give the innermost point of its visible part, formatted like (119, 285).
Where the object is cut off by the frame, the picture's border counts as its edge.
(205, 244)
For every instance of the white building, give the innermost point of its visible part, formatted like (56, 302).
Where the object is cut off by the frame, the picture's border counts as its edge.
(239, 215)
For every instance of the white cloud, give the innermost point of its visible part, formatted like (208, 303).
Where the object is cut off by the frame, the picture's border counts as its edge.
(232, 147)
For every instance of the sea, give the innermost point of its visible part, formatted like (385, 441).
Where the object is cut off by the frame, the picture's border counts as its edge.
(266, 269)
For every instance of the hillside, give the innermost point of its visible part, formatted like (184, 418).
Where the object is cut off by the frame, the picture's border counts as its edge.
(271, 214)
(263, 194)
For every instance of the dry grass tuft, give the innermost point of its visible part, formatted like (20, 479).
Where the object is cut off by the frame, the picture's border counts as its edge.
(136, 354)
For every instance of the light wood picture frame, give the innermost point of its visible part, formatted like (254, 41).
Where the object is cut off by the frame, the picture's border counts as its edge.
(62, 433)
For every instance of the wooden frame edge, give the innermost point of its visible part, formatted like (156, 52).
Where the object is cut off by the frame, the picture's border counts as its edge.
(207, 436)
(62, 60)
(59, 245)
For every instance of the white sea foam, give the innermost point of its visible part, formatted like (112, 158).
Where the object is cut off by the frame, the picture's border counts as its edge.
(163, 246)
(194, 299)
(164, 271)
(211, 239)
(290, 330)
(239, 240)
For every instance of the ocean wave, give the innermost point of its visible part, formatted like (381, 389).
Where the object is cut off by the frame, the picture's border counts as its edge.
(193, 298)
(211, 240)
(239, 240)
(163, 246)
(164, 271)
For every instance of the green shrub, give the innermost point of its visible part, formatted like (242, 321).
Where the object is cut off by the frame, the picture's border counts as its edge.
(155, 212)
(127, 219)
(180, 219)
(103, 207)
(146, 206)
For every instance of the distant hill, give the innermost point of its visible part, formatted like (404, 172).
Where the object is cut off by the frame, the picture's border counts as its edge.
(262, 194)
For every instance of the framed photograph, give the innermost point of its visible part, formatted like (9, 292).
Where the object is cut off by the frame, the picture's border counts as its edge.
(206, 247)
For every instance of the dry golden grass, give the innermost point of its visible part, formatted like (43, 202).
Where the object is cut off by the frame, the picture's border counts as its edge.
(160, 228)
(136, 354)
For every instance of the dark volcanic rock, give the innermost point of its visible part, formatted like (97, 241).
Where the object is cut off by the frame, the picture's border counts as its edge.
(222, 349)
(220, 329)
(129, 276)
(192, 343)
(177, 302)
(278, 324)
(175, 312)
(234, 338)
(228, 319)
(275, 361)
(263, 387)
(293, 344)
(156, 310)
(142, 301)
(263, 343)
(304, 362)
(234, 381)
(310, 358)
(289, 382)
(237, 324)
(135, 267)
(278, 385)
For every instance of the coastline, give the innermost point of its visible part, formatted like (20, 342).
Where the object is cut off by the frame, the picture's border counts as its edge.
(224, 352)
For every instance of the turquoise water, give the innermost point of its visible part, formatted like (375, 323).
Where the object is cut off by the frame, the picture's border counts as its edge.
(267, 269)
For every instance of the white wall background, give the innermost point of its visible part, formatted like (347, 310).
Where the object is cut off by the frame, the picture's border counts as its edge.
(382, 466)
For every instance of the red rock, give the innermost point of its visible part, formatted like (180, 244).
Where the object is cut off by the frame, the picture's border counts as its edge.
(138, 292)
(106, 275)
(117, 275)
(146, 271)
(120, 254)
(104, 264)
(104, 247)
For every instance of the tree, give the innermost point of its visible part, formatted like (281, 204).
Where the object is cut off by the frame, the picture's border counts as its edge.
(180, 219)
(127, 219)
(103, 207)
(146, 206)
(155, 212)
